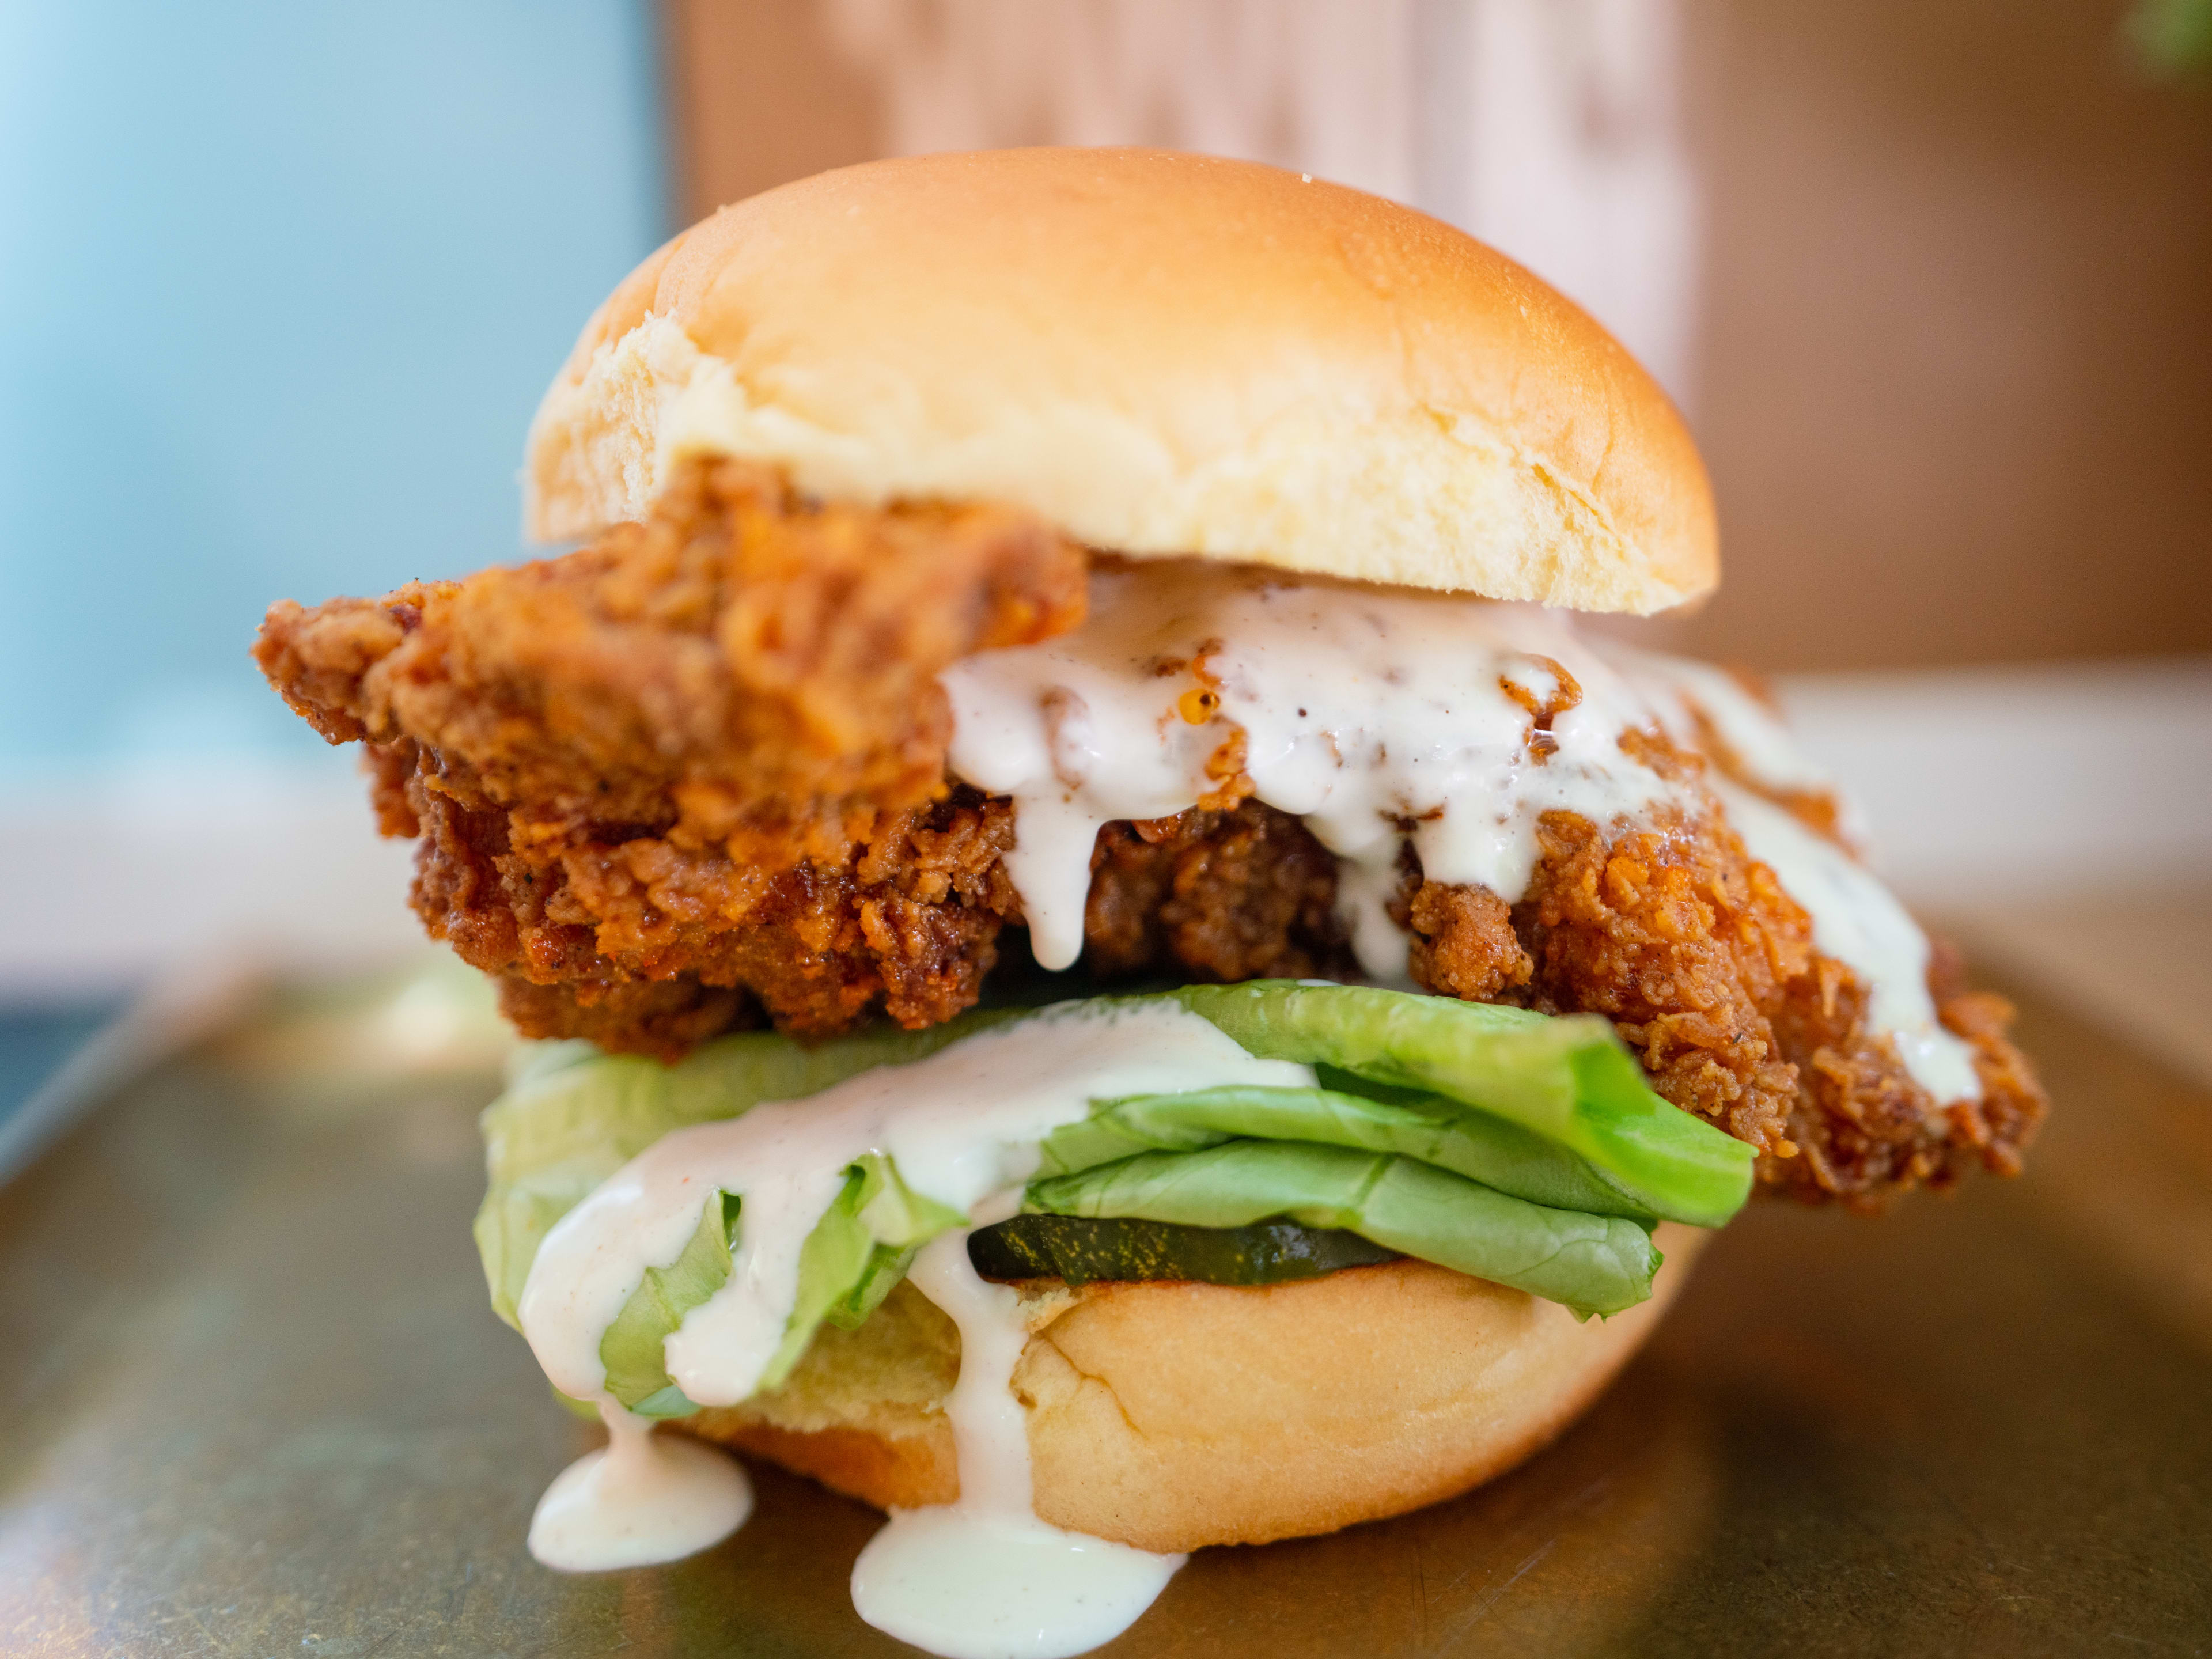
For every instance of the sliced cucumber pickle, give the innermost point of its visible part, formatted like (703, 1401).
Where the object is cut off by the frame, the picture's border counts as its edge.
(1082, 1250)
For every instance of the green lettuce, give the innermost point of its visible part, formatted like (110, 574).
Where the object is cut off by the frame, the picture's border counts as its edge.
(1565, 1077)
(571, 1116)
(1592, 1264)
(1515, 1146)
(1424, 1128)
(860, 1249)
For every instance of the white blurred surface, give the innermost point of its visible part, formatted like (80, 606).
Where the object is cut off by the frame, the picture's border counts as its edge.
(1987, 782)
(2055, 821)
(134, 876)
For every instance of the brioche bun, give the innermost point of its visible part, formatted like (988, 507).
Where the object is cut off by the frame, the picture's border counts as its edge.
(1160, 354)
(1172, 1416)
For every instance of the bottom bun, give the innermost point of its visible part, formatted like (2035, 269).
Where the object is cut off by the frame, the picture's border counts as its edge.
(1171, 1416)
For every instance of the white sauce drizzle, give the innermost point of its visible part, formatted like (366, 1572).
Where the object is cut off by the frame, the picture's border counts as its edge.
(1855, 919)
(962, 1126)
(643, 1498)
(1676, 685)
(1759, 739)
(982, 1578)
(1859, 922)
(1375, 715)
(1379, 717)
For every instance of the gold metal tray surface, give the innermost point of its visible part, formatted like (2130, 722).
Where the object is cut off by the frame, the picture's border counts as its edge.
(256, 1405)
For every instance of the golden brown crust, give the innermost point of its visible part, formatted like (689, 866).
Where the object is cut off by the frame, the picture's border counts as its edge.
(1172, 1416)
(748, 658)
(1160, 354)
(1692, 948)
(782, 842)
(1707, 968)
(1243, 894)
(696, 769)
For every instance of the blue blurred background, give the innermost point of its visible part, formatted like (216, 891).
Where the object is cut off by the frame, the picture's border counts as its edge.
(279, 287)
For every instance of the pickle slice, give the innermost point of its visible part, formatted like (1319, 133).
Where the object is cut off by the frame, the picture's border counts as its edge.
(1081, 1250)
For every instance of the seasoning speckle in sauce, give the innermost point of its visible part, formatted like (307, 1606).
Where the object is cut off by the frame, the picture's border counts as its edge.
(1379, 717)
(1386, 719)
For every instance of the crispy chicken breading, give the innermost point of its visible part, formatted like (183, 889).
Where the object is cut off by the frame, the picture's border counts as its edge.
(696, 771)
(692, 778)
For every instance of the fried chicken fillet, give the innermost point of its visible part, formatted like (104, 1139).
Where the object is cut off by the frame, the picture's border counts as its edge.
(692, 778)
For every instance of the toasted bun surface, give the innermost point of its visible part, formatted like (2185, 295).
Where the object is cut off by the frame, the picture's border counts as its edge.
(1162, 354)
(1174, 1416)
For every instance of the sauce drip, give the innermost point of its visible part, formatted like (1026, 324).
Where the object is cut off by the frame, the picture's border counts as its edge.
(1859, 922)
(1855, 919)
(1755, 735)
(961, 1126)
(982, 1578)
(1380, 718)
(643, 1499)
(1384, 719)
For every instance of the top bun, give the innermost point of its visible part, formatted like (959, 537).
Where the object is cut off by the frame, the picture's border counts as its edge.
(1161, 353)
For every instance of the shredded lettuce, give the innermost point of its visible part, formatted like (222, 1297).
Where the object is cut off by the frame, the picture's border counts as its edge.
(571, 1116)
(631, 1349)
(1515, 1147)
(860, 1249)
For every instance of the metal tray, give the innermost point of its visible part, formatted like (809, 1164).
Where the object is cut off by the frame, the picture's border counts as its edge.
(256, 1406)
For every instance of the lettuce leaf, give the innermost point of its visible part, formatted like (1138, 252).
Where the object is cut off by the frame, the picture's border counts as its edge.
(1425, 1128)
(631, 1349)
(1566, 1076)
(573, 1116)
(1517, 1146)
(858, 1249)
(1593, 1264)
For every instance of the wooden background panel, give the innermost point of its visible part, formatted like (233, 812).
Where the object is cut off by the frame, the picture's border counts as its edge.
(1954, 366)
(1956, 374)
(759, 94)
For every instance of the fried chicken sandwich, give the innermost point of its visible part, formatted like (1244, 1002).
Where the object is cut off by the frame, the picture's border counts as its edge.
(1110, 964)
